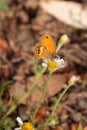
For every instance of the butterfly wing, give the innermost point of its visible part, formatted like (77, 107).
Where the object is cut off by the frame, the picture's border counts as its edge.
(41, 52)
(48, 42)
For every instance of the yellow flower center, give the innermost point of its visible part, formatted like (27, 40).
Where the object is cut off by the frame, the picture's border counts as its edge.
(53, 64)
(27, 126)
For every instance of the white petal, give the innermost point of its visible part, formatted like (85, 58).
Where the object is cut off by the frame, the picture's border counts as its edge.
(60, 62)
(18, 128)
(74, 78)
(44, 64)
(19, 120)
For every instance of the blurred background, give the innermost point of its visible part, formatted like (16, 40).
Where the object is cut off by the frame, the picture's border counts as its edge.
(22, 23)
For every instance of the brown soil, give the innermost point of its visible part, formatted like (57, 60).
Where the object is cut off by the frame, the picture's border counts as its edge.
(23, 25)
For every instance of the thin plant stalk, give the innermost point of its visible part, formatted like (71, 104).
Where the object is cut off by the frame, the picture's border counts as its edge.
(56, 104)
(14, 106)
(42, 96)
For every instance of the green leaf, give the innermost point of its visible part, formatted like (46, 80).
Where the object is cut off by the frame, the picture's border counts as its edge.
(4, 6)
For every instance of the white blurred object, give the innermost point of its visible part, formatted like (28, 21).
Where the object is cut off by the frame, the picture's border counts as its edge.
(71, 13)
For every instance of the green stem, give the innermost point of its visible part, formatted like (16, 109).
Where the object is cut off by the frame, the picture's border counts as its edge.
(26, 95)
(56, 104)
(42, 97)
(59, 46)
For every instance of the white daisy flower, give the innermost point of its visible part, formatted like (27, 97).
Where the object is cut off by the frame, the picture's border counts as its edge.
(55, 63)
(24, 126)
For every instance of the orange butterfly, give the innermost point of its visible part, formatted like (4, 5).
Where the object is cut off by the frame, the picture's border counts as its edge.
(46, 48)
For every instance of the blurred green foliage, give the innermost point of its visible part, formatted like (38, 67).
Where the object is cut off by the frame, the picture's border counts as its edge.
(3, 5)
(6, 124)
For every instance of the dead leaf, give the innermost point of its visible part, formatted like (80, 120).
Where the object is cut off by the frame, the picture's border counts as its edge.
(71, 13)
(18, 52)
(84, 75)
(57, 128)
(54, 86)
(85, 128)
(73, 126)
(3, 44)
(16, 91)
(41, 113)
